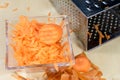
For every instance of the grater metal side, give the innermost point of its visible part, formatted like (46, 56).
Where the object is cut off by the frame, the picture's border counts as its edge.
(82, 21)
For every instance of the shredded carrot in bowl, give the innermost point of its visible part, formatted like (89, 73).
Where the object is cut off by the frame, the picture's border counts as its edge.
(34, 42)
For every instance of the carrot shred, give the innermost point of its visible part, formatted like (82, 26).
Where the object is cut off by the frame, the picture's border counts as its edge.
(15, 9)
(56, 67)
(101, 36)
(5, 5)
(28, 8)
(107, 36)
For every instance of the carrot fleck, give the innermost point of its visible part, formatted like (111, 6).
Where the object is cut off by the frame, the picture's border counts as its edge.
(5, 5)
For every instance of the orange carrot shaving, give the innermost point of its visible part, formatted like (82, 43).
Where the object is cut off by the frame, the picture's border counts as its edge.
(5, 5)
(107, 36)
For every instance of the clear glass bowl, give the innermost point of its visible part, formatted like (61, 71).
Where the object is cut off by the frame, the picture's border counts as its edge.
(11, 62)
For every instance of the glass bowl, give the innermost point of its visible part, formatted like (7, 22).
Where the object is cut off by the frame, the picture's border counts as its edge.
(11, 63)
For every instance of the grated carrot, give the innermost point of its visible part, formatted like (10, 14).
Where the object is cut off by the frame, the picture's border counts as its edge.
(32, 45)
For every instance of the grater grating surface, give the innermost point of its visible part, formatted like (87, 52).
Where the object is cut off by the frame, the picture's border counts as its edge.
(84, 14)
(91, 7)
(109, 24)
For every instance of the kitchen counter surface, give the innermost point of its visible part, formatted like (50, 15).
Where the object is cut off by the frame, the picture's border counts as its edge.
(106, 56)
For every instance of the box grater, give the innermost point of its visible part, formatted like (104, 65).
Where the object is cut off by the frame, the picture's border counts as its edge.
(93, 21)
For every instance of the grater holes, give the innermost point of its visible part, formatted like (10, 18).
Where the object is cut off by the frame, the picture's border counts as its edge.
(89, 39)
(104, 2)
(112, 16)
(89, 23)
(94, 37)
(111, 21)
(92, 27)
(94, 22)
(103, 20)
(105, 29)
(95, 34)
(99, 19)
(111, 24)
(110, 27)
(115, 27)
(108, 14)
(116, 18)
(87, 1)
(96, 5)
(108, 17)
(101, 29)
(90, 20)
(115, 24)
(106, 26)
(89, 8)
(92, 30)
(116, 21)
(98, 22)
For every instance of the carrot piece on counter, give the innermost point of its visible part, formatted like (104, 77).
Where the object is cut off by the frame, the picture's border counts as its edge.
(82, 64)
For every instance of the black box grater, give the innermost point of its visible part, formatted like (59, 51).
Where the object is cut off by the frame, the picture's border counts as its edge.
(93, 21)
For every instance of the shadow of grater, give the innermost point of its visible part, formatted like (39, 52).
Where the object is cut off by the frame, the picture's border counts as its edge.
(93, 21)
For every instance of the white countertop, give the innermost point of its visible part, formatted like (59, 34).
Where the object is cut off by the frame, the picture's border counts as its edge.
(107, 56)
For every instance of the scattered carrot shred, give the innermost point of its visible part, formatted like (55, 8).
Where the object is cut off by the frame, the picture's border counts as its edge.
(28, 8)
(101, 36)
(28, 47)
(107, 36)
(15, 9)
(89, 34)
(5, 5)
